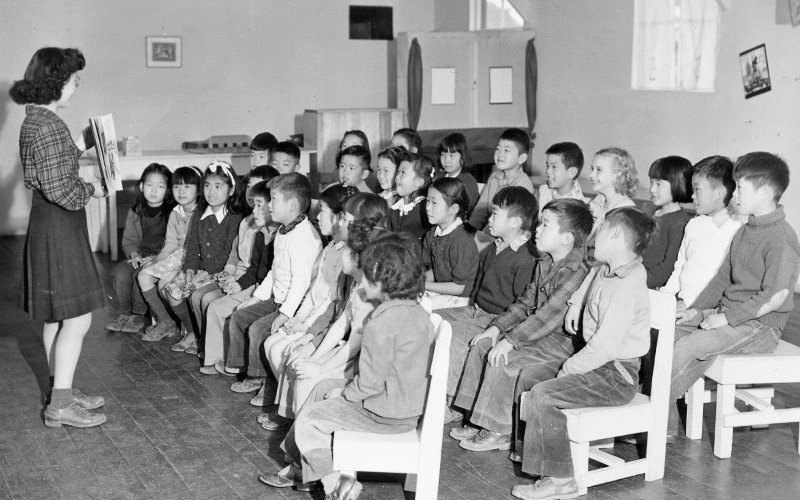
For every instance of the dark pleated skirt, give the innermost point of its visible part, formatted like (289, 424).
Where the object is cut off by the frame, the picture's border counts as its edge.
(60, 280)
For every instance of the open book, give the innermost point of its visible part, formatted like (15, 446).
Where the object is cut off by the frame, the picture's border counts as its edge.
(105, 144)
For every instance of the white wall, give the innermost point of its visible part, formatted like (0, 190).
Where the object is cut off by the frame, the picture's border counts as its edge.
(584, 49)
(248, 66)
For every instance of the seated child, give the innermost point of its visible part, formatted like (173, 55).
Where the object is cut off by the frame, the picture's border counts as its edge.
(285, 157)
(276, 299)
(359, 138)
(563, 165)
(354, 167)
(260, 148)
(510, 158)
(505, 270)
(727, 316)
(142, 240)
(408, 214)
(455, 161)
(208, 244)
(256, 175)
(614, 180)
(529, 334)
(408, 139)
(670, 185)
(605, 372)
(241, 286)
(707, 237)
(449, 253)
(186, 188)
(387, 394)
(337, 354)
(388, 162)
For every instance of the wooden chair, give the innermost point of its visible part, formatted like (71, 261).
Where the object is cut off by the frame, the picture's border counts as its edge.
(589, 429)
(416, 453)
(728, 371)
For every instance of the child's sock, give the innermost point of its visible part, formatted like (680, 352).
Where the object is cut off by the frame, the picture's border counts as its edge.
(183, 314)
(156, 305)
(61, 398)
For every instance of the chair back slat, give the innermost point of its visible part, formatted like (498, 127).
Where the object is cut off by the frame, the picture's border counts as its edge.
(662, 320)
(433, 419)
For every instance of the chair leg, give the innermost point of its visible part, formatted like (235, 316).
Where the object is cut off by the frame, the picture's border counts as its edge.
(411, 482)
(580, 464)
(723, 436)
(694, 409)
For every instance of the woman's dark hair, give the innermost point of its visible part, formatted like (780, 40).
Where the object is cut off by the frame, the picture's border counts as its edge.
(453, 191)
(412, 137)
(455, 143)
(224, 171)
(370, 207)
(336, 196)
(394, 261)
(48, 71)
(358, 133)
(141, 202)
(676, 170)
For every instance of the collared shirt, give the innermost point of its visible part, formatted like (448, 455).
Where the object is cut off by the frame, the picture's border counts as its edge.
(452, 227)
(219, 214)
(500, 244)
(497, 181)
(616, 316)
(540, 310)
(546, 195)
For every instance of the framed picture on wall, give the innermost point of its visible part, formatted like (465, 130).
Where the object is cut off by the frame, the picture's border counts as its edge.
(163, 51)
(755, 71)
(443, 86)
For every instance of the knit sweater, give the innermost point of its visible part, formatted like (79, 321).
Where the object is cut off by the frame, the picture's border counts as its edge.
(209, 241)
(145, 232)
(659, 258)
(177, 227)
(414, 222)
(763, 259)
(453, 257)
(502, 277)
(261, 256)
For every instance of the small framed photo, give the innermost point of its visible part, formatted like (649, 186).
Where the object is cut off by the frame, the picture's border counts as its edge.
(164, 51)
(501, 85)
(755, 71)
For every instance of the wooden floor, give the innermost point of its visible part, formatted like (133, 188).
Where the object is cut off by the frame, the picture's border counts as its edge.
(174, 433)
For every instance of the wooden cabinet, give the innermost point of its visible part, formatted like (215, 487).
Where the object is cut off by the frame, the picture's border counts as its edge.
(323, 129)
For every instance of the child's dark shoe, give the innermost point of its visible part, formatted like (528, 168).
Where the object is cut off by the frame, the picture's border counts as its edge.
(274, 422)
(463, 432)
(134, 324)
(486, 440)
(159, 331)
(73, 415)
(118, 324)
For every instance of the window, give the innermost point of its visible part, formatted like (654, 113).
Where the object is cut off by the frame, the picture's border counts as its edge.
(371, 23)
(675, 44)
(495, 15)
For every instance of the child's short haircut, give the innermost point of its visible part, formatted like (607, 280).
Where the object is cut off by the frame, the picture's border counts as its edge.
(719, 172)
(261, 190)
(519, 137)
(573, 216)
(359, 152)
(288, 148)
(763, 169)
(625, 168)
(456, 143)
(336, 195)
(263, 142)
(676, 170)
(394, 261)
(368, 206)
(411, 136)
(518, 202)
(264, 172)
(638, 228)
(570, 153)
(293, 185)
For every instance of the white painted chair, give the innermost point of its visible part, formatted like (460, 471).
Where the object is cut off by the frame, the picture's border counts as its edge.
(728, 371)
(589, 429)
(416, 453)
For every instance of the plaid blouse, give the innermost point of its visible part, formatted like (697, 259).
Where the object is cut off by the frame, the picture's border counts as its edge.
(50, 159)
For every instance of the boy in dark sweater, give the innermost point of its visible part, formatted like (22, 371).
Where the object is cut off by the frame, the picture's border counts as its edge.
(730, 315)
(530, 332)
(505, 269)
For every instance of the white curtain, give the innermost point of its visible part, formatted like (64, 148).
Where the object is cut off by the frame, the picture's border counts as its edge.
(674, 44)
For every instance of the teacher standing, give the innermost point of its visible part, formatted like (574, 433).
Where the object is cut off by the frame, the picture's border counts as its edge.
(60, 282)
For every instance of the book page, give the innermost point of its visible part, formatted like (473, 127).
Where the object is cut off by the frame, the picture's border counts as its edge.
(105, 140)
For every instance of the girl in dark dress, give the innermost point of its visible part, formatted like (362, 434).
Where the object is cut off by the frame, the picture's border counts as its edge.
(60, 282)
